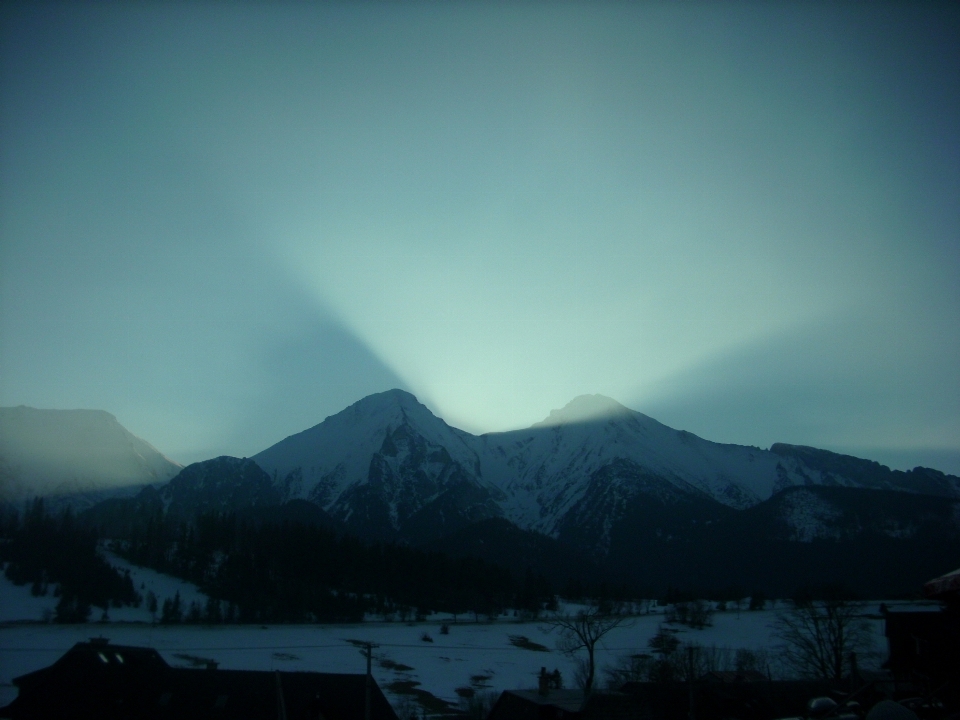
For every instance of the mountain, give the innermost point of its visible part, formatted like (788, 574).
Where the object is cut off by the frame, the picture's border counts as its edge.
(551, 469)
(829, 468)
(82, 453)
(221, 485)
(387, 467)
(218, 485)
(596, 490)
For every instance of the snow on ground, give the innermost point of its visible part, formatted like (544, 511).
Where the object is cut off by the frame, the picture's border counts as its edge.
(479, 655)
(145, 581)
(469, 652)
(17, 603)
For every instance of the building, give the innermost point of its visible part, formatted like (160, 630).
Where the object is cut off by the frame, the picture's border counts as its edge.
(97, 679)
(925, 645)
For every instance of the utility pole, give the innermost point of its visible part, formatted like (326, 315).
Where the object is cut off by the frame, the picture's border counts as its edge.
(368, 651)
(690, 680)
(281, 703)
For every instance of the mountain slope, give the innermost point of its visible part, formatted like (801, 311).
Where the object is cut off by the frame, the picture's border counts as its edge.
(876, 542)
(224, 485)
(386, 467)
(830, 468)
(62, 452)
(546, 469)
(389, 468)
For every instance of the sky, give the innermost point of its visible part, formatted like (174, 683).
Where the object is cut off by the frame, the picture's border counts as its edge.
(224, 222)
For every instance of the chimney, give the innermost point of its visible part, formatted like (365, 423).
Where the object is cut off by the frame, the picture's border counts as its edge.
(212, 664)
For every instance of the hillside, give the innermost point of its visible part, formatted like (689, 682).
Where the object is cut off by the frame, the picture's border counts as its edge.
(67, 452)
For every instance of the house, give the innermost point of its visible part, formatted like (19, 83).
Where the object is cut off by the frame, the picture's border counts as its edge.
(538, 705)
(97, 679)
(924, 645)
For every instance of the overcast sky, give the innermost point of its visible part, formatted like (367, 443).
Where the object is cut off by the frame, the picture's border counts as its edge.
(224, 222)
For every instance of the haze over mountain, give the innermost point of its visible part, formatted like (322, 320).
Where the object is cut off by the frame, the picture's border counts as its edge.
(65, 452)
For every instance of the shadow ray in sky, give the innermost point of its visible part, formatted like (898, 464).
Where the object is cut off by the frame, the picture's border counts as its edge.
(306, 376)
(836, 385)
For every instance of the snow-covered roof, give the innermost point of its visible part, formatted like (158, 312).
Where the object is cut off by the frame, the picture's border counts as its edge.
(944, 585)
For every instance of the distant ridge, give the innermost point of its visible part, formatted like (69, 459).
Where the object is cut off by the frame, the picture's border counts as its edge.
(837, 469)
(67, 452)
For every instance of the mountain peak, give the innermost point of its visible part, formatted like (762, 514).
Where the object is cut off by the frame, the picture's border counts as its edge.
(390, 402)
(585, 408)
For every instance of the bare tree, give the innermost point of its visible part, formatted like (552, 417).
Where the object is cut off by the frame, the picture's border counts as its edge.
(583, 631)
(817, 637)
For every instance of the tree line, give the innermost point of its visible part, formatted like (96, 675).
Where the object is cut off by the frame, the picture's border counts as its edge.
(292, 571)
(58, 555)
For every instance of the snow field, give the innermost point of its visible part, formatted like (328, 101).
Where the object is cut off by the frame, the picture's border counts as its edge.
(480, 655)
(18, 605)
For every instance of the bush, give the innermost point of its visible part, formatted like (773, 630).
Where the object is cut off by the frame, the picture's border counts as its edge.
(673, 661)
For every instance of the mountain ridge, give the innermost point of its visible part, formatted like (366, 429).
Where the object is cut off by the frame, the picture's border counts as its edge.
(387, 469)
(595, 493)
(387, 462)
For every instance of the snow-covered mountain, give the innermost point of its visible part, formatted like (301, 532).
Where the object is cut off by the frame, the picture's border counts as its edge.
(545, 470)
(69, 452)
(386, 465)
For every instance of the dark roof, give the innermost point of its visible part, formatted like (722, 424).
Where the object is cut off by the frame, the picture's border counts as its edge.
(114, 681)
(532, 705)
(944, 586)
(569, 700)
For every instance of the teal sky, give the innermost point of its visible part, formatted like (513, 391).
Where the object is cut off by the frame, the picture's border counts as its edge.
(223, 222)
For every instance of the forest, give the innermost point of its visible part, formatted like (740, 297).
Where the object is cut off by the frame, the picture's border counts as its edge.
(59, 555)
(257, 571)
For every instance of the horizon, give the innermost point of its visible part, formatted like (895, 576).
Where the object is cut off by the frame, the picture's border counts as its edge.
(224, 223)
(584, 415)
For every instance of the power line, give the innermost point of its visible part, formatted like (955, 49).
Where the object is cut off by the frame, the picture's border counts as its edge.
(213, 648)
